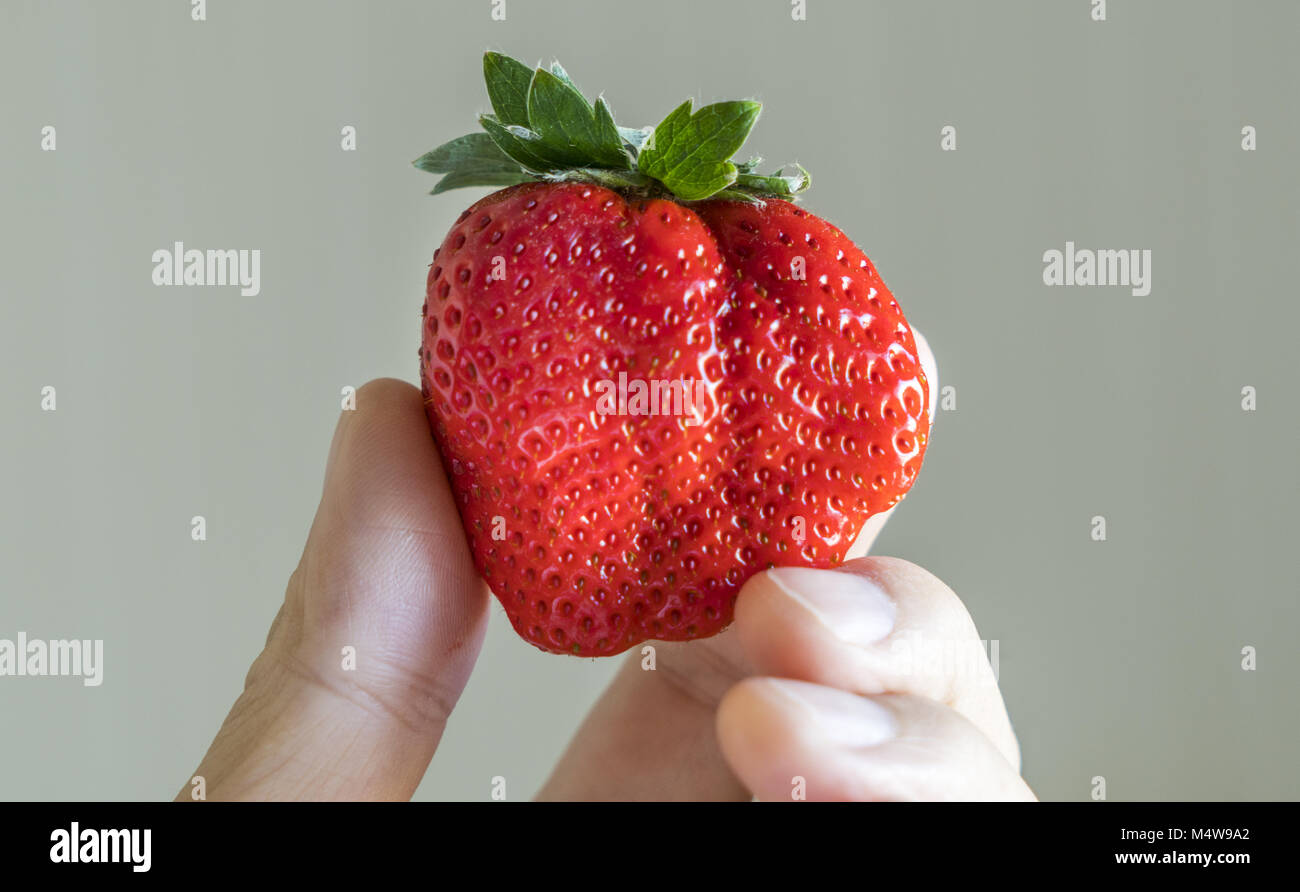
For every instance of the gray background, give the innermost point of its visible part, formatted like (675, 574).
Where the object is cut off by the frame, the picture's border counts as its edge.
(1119, 658)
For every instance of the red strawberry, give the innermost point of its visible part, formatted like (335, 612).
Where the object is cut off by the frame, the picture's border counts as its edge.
(803, 409)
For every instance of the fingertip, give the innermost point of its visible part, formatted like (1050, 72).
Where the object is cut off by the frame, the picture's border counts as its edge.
(811, 624)
(379, 394)
(753, 730)
(376, 401)
(930, 366)
(770, 628)
(790, 740)
(387, 562)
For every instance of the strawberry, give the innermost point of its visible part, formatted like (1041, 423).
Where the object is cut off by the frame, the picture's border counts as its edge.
(782, 401)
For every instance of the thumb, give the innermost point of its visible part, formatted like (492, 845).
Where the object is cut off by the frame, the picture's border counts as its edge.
(381, 624)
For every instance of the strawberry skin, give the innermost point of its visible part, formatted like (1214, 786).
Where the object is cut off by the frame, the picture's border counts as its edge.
(826, 363)
(599, 531)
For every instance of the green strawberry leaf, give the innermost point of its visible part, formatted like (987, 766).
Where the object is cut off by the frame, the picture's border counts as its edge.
(521, 144)
(558, 70)
(473, 151)
(573, 133)
(610, 138)
(635, 136)
(544, 128)
(778, 183)
(689, 153)
(459, 178)
(507, 85)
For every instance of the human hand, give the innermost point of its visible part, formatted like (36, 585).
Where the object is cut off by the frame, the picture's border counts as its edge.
(815, 692)
(386, 570)
(867, 682)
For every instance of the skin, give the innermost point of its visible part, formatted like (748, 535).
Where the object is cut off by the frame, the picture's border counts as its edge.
(816, 692)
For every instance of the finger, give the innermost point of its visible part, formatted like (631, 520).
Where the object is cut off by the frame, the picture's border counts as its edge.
(875, 625)
(791, 739)
(871, 529)
(380, 627)
(930, 366)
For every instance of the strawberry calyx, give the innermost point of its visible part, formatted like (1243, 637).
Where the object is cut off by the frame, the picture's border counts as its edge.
(544, 129)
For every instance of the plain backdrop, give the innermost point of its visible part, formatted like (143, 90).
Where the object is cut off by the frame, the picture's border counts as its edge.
(1119, 659)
